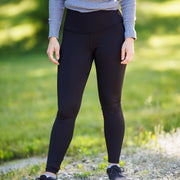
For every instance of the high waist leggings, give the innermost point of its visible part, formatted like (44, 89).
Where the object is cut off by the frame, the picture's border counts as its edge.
(89, 36)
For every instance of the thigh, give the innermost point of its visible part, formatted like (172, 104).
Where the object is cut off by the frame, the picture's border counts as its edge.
(110, 72)
(75, 64)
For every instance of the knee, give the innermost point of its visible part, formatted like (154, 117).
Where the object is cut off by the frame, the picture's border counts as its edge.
(110, 105)
(67, 112)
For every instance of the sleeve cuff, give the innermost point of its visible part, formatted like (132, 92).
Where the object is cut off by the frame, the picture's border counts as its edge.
(130, 31)
(54, 30)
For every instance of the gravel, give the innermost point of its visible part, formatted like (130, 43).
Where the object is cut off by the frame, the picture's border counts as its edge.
(158, 159)
(140, 163)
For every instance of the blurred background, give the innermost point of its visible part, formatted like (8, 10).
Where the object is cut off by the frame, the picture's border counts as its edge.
(28, 103)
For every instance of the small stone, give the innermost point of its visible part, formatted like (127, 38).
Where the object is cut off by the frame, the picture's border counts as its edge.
(135, 170)
(84, 160)
(64, 174)
(93, 167)
(144, 160)
(87, 161)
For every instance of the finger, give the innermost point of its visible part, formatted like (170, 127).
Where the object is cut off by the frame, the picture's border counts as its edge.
(128, 59)
(50, 55)
(52, 59)
(57, 53)
(123, 52)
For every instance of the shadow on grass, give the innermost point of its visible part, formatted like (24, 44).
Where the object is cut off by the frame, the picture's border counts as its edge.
(3, 2)
(38, 17)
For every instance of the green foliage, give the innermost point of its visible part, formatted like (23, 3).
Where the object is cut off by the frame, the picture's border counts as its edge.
(80, 166)
(81, 175)
(122, 163)
(102, 165)
(34, 169)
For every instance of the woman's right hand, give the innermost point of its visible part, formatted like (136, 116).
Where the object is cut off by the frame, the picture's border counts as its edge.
(53, 47)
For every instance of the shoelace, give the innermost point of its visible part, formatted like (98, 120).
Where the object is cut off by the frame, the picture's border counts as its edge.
(43, 177)
(116, 170)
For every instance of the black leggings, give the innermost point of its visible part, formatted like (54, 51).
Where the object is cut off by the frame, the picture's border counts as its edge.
(89, 36)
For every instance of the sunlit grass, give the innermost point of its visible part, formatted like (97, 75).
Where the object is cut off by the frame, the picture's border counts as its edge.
(41, 72)
(17, 33)
(164, 40)
(163, 9)
(177, 98)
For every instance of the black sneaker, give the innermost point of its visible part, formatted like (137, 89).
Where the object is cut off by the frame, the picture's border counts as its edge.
(115, 173)
(44, 177)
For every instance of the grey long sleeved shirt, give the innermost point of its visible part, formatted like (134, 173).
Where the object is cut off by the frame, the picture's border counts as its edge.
(56, 10)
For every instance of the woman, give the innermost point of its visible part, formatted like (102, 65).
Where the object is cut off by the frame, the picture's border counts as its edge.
(93, 30)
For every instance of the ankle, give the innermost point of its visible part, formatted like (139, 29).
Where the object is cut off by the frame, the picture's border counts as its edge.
(113, 163)
(50, 173)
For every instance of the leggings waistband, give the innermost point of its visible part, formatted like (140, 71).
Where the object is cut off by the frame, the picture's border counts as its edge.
(86, 22)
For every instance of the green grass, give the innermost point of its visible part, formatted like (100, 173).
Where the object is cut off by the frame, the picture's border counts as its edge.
(151, 97)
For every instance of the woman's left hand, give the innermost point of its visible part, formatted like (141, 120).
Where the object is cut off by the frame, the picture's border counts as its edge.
(127, 51)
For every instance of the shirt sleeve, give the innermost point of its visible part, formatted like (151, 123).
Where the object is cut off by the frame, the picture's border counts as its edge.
(56, 10)
(128, 8)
